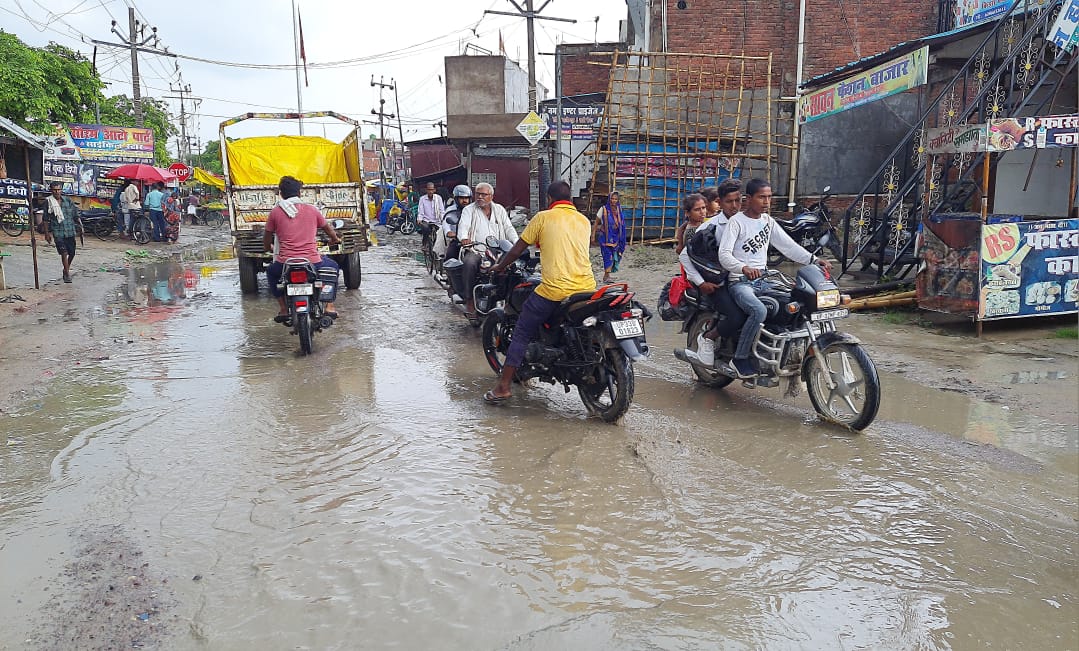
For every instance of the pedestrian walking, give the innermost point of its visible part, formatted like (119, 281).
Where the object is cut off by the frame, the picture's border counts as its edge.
(62, 224)
(193, 207)
(610, 233)
(155, 200)
(129, 202)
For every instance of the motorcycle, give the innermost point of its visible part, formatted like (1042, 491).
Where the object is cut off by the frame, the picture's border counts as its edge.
(307, 289)
(812, 229)
(401, 219)
(454, 271)
(590, 342)
(799, 342)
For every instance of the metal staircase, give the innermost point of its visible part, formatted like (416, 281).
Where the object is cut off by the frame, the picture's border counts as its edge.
(1015, 70)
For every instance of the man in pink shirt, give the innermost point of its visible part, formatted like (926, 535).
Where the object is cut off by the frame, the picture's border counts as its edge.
(295, 225)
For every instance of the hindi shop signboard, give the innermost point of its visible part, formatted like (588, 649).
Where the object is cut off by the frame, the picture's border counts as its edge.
(578, 122)
(1029, 269)
(1050, 131)
(96, 143)
(971, 12)
(961, 138)
(1065, 31)
(895, 76)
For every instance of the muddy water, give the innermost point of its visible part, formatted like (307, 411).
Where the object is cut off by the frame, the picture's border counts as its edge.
(366, 497)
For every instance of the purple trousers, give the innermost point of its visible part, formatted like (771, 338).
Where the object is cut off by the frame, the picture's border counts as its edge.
(534, 313)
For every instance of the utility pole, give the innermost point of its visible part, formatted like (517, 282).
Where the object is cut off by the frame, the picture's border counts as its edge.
(381, 113)
(135, 30)
(400, 131)
(184, 90)
(441, 128)
(530, 14)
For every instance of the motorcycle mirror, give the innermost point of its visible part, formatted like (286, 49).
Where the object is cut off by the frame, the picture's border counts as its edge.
(827, 188)
(505, 245)
(492, 241)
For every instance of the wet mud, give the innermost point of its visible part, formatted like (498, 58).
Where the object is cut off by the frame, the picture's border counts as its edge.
(268, 500)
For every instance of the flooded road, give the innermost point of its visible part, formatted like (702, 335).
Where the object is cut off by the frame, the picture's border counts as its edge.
(366, 497)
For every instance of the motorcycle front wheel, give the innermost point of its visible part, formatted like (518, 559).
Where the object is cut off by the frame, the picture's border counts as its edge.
(303, 329)
(854, 400)
(611, 392)
(496, 339)
(408, 227)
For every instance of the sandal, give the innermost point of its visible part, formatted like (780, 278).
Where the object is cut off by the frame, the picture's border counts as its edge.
(283, 318)
(491, 399)
(332, 315)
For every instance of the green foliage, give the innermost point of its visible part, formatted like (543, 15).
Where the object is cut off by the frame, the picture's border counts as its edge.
(41, 86)
(1066, 333)
(119, 111)
(210, 158)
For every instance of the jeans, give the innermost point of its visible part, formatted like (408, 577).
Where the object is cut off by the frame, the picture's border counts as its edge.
(157, 218)
(534, 313)
(744, 293)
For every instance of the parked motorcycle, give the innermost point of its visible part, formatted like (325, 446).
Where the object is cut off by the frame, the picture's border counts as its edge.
(812, 229)
(590, 342)
(307, 290)
(799, 341)
(402, 220)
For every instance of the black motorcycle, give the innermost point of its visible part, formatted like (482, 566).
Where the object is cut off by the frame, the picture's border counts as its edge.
(590, 342)
(811, 228)
(403, 220)
(307, 290)
(798, 342)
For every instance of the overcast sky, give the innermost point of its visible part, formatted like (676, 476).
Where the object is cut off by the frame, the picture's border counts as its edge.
(404, 40)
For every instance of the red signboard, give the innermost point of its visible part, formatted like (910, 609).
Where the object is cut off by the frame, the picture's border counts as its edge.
(182, 172)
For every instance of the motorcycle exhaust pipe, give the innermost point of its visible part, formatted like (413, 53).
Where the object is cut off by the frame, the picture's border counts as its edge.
(325, 322)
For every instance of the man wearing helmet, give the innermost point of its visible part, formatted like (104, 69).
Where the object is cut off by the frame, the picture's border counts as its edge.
(446, 243)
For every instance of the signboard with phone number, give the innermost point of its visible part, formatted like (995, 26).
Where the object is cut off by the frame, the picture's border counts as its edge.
(1029, 269)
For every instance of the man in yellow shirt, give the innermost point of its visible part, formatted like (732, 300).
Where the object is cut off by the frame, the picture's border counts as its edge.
(562, 235)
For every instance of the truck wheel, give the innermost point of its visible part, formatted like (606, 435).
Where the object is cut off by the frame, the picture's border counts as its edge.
(351, 268)
(249, 275)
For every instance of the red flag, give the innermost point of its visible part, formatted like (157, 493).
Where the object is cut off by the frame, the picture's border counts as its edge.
(303, 54)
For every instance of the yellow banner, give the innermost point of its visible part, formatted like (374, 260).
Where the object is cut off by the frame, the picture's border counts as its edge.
(202, 176)
(264, 160)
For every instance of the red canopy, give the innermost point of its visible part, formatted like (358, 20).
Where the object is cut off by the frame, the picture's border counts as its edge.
(141, 172)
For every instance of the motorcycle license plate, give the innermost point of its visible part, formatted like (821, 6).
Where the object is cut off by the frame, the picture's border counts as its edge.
(828, 315)
(626, 329)
(300, 290)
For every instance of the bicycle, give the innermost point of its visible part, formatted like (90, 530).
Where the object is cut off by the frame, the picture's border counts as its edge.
(13, 220)
(211, 217)
(141, 227)
(427, 244)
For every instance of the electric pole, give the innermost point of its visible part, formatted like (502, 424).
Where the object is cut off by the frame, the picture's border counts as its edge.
(135, 31)
(530, 15)
(441, 128)
(184, 90)
(381, 113)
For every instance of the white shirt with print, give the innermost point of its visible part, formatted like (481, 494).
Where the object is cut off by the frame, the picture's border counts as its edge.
(745, 244)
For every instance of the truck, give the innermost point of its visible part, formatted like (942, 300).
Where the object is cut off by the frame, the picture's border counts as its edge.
(332, 174)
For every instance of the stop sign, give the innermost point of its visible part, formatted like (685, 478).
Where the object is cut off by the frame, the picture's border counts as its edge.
(182, 172)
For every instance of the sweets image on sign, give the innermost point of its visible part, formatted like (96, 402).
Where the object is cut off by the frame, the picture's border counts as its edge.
(1003, 303)
(1071, 291)
(1003, 276)
(1045, 293)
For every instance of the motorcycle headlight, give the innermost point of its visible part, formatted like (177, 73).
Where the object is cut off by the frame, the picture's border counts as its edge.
(827, 298)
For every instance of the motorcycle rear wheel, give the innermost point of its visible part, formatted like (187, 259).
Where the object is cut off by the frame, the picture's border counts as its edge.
(303, 329)
(610, 397)
(704, 376)
(856, 398)
(496, 339)
(408, 227)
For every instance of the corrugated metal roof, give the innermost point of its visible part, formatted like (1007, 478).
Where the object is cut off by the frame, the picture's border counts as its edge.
(22, 134)
(934, 40)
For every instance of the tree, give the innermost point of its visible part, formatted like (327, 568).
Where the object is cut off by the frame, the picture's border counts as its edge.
(42, 86)
(119, 111)
(210, 158)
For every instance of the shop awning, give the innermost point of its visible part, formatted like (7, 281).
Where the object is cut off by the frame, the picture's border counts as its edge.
(37, 142)
(934, 41)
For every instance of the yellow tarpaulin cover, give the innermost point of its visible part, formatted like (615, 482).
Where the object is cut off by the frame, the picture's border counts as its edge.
(264, 160)
(202, 176)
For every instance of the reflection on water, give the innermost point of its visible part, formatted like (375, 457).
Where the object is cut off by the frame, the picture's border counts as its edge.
(368, 488)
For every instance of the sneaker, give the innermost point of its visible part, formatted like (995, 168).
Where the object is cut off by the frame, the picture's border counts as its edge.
(743, 368)
(705, 353)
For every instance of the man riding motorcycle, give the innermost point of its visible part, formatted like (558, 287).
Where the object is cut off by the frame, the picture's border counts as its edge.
(291, 232)
(446, 244)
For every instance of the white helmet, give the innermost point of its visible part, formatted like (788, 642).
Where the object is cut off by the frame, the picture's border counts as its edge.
(462, 191)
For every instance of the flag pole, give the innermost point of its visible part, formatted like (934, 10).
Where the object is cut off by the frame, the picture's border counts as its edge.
(296, 43)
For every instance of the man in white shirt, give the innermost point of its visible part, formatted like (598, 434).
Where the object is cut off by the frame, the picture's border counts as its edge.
(129, 201)
(430, 209)
(743, 252)
(730, 202)
(478, 221)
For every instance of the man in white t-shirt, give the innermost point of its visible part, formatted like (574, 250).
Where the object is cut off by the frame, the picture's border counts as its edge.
(478, 221)
(743, 251)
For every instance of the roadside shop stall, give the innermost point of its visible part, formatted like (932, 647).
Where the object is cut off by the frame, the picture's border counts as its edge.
(1023, 259)
(81, 156)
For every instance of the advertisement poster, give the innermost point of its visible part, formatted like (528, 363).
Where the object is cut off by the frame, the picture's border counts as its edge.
(1034, 133)
(94, 143)
(578, 122)
(895, 76)
(675, 167)
(81, 179)
(963, 138)
(1029, 269)
(13, 191)
(1065, 31)
(970, 12)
